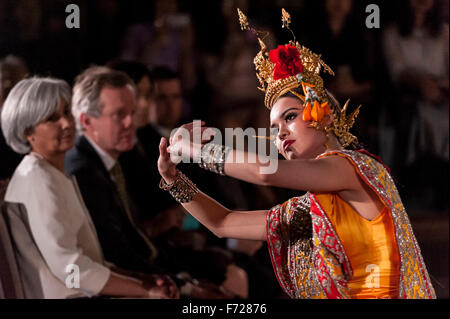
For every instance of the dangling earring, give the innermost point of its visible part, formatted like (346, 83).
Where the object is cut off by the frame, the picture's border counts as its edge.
(327, 135)
(275, 143)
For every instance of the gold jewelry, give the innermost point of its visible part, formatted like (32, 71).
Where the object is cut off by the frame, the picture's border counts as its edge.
(327, 136)
(182, 189)
(290, 66)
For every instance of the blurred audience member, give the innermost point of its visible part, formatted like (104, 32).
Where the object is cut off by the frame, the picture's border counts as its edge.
(12, 70)
(161, 219)
(138, 167)
(232, 76)
(352, 56)
(140, 75)
(37, 120)
(165, 113)
(417, 52)
(168, 41)
(167, 109)
(104, 103)
(21, 31)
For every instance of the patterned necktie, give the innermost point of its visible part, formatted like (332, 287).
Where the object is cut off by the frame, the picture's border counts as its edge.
(119, 180)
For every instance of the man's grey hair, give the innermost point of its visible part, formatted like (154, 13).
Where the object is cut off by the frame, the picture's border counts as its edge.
(29, 103)
(87, 89)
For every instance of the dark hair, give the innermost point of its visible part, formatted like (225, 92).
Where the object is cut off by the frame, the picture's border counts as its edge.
(12, 70)
(299, 90)
(163, 73)
(334, 103)
(433, 20)
(135, 70)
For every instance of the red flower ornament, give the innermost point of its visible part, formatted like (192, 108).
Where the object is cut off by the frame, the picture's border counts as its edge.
(287, 61)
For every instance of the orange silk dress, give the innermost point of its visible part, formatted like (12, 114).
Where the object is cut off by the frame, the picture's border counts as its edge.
(370, 247)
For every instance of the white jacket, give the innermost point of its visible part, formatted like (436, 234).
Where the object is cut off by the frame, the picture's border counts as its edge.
(61, 227)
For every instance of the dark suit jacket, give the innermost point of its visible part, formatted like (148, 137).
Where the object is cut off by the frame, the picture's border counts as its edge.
(142, 176)
(121, 243)
(150, 139)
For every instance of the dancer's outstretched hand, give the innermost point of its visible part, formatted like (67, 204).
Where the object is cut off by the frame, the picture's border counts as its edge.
(166, 167)
(187, 141)
(185, 144)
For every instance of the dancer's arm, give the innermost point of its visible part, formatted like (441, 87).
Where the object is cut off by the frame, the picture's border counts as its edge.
(332, 173)
(227, 223)
(218, 219)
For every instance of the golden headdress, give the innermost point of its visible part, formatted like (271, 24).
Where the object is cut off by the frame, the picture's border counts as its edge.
(292, 65)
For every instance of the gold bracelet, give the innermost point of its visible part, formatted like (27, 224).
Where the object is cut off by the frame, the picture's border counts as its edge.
(166, 187)
(182, 189)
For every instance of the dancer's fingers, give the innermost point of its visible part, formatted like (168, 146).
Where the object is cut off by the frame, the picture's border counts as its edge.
(163, 149)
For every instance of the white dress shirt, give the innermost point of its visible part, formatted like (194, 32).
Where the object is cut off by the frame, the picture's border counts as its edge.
(107, 159)
(61, 227)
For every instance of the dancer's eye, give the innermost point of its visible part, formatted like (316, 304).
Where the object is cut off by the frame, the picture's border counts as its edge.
(290, 116)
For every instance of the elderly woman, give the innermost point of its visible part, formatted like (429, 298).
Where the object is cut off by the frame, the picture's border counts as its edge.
(349, 236)
(37, 121)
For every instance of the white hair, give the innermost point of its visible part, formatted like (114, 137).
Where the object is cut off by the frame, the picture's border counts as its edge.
(87, 89)
(29, 103)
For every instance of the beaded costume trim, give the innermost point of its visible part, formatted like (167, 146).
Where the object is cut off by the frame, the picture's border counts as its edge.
(291, 247)
(335, 269)
(415, 282)
(308, 257)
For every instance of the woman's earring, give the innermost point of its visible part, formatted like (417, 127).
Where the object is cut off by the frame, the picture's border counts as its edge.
(275, 143)
(327, 146)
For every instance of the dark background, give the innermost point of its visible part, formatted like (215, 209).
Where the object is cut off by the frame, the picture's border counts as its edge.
(35, 31)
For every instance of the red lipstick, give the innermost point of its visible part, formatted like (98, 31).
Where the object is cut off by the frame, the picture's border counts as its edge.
(287, 143)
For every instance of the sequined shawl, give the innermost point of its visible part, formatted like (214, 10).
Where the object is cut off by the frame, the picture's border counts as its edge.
(308, 257)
